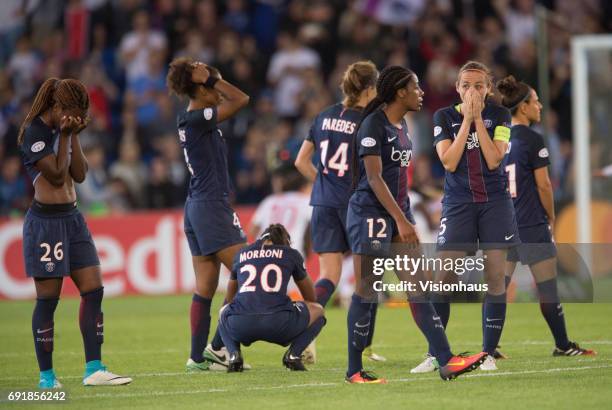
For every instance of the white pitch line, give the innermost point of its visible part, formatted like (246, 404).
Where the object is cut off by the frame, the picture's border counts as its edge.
(329, 384)
(378, 345)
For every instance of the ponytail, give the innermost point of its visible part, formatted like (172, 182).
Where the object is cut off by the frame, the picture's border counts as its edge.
(42, 102)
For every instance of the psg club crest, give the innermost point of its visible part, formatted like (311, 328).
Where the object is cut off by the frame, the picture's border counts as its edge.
(49, 266)
(376, 245)
(488, 123)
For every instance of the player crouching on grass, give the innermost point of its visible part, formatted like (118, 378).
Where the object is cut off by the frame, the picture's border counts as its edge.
(259, 308)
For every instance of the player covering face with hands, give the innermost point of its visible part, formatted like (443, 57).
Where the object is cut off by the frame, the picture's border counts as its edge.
(471, 139)
(56, 240)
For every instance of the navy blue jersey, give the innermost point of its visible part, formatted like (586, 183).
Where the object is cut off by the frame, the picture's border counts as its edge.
(472, 181)
(263, 273)
(332, 135)
(39, 140)
(205, 154)
(377, 136)
(527, 153)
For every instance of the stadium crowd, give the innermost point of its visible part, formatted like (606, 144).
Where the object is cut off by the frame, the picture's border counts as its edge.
(288, 55)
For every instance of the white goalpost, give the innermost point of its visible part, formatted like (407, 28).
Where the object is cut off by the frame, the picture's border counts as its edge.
(581, 46)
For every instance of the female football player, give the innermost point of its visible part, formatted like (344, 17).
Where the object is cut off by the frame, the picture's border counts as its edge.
(471, 139)
(56, 240)
(259, 308)
(331, 137)
(379, 213)
(532, 194)
(212, 227)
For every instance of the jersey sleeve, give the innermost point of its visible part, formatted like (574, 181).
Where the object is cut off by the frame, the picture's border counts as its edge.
(37, 144)
(502, 128)
(235, 266)
(370, 137)
(205, 119)
(311, 132)
(441, 130)
(538, 153)
(299, 270)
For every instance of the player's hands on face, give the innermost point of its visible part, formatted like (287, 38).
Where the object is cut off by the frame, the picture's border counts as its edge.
(467, 107)
(200, 73)
(68, 124)
(407, 232)
(477, 104)
(82, 123)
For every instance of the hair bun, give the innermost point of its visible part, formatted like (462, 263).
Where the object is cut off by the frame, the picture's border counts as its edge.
(508, 86)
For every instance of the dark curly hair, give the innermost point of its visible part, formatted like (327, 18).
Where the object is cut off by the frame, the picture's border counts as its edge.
(179, 79)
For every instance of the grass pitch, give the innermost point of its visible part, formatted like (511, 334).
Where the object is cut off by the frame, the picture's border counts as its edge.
(148, 339)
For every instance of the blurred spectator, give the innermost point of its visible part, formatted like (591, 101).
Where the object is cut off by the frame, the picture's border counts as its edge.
(160, 192)
(288, 56)
(138, 45)
(236, 16)
(93, 193)
(24, 68)
(13, 186)
(130, 169)
(286, 71)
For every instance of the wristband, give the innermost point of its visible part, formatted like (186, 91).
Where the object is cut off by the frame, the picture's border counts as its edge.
(210, 82)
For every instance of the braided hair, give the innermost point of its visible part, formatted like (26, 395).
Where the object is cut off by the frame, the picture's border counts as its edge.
(277, 234)
(391, 79)
(67, 94)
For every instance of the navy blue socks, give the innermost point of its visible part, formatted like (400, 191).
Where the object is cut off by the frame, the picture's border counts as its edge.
(441, 304)
(200, 326)
(493, 318)
(42, 330)
(303, 340)
(324, 289)
(91, 322)
(428, 320)
(553, 312)
(358, 324)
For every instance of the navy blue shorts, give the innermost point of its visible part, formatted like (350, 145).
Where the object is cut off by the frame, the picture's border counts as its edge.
(211, 226)
(536, 245)
(56, 241)
(486, 225)
(371, 230)
(328, 229)
(280, 327)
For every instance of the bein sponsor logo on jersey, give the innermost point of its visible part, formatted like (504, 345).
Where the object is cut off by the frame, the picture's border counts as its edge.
(472, 141)
(338, 125)
(261, 253)
(403, 156)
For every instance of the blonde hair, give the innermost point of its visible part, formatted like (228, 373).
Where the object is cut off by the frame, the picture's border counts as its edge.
(357, 77)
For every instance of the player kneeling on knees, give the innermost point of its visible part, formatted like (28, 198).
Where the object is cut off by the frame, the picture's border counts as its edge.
(258, 306)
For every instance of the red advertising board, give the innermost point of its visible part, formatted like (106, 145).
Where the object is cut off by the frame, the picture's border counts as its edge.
(140, 253)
